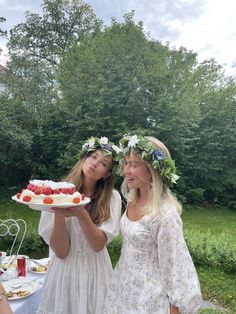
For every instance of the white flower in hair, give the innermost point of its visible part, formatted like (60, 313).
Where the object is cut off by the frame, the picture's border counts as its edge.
(86, 145)
(174, 177)
(133, 141)
(116, 148)
(104, 140)
(91, 142)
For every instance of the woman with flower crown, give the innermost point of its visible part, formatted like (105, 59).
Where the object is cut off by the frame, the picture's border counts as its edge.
(155, 273)
(80, 269)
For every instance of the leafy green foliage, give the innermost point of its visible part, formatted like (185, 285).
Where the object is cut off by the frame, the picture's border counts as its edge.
(2, 33)
(208, 250)
(70, 79)
(210, 311)
(47, 37)
(114, 249)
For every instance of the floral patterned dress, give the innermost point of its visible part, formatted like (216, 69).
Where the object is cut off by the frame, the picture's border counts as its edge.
(155, 268)
(78, 283)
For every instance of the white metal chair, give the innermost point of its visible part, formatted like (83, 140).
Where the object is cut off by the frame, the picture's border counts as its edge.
(17, 229)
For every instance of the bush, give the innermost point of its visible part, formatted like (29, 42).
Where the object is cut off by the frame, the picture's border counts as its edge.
(215, 251)
(114, 249)
(232, 205)
(33, 245)
(195, 196)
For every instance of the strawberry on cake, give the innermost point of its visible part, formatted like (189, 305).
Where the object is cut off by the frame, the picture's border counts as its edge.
(45, 192)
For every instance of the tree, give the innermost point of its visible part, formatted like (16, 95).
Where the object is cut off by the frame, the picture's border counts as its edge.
(120, 80)
(2, 33)
(111, 81)
(36, 48)
(47, 37)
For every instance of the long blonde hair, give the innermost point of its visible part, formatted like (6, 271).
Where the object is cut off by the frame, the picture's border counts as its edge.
(158, 190)
(99, 207)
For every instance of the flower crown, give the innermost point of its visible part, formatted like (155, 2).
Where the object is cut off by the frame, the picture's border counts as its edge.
(93, 143)
(156, 158)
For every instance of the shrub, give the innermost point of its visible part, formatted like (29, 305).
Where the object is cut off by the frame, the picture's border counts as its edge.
(33, 245)
(215, 251)
(232, 204)
(195, 196)
(114, 249)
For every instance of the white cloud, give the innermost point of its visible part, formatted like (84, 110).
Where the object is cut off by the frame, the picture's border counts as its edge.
(207, 27)
(213, 34)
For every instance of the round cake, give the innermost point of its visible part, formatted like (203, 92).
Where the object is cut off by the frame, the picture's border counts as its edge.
(50, 192)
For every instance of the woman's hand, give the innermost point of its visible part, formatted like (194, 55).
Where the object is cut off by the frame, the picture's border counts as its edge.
(76, 211)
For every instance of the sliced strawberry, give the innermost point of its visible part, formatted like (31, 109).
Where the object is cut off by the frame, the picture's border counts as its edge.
(47, 191)
(27, 198)
(48, 200)
(18, 195)
(38, 191)
(76, 200)
(29, 186)
(71, 191)
(64, 191)
(34, 188)
(56, 191)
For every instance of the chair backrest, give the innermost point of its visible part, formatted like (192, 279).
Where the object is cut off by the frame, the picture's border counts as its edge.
(17, 229)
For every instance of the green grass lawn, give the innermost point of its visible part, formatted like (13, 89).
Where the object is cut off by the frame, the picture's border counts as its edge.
(15, 211)
(215, 219)
(217, 286)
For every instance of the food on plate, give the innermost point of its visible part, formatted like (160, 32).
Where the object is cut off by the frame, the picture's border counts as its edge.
(46, 192)
(17, 294)
(40, 268)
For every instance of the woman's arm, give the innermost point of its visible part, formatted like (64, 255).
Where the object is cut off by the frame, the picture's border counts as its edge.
(174, 310)
(96, 237)
(60, 242)
(4, 305)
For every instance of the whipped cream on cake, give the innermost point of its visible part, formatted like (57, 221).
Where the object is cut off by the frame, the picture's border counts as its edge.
(50, 192)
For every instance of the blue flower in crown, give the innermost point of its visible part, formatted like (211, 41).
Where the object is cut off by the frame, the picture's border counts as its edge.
(107, 146)
(158, 155)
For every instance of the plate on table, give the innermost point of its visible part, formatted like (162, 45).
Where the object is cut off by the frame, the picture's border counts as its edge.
(39, 266)
(19, 288)
(49, 207)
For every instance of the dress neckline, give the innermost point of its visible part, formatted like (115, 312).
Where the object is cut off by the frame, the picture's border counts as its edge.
(126, 215)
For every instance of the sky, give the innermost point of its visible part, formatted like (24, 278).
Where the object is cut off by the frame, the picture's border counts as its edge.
(207, 27)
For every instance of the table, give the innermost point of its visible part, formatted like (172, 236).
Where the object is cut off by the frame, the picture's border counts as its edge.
(29, 304)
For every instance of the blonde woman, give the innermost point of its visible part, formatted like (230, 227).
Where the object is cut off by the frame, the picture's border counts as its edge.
(80, 270)
(155, 273)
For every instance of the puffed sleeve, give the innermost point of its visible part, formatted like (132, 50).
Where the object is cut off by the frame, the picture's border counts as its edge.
(45, 227)
(178, 274)
(111, 225)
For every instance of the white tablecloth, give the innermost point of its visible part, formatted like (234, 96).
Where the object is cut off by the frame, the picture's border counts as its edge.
(29, 304)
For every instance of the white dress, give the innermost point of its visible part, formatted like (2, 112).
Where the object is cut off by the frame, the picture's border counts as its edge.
(155, 268)
(77, 284)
